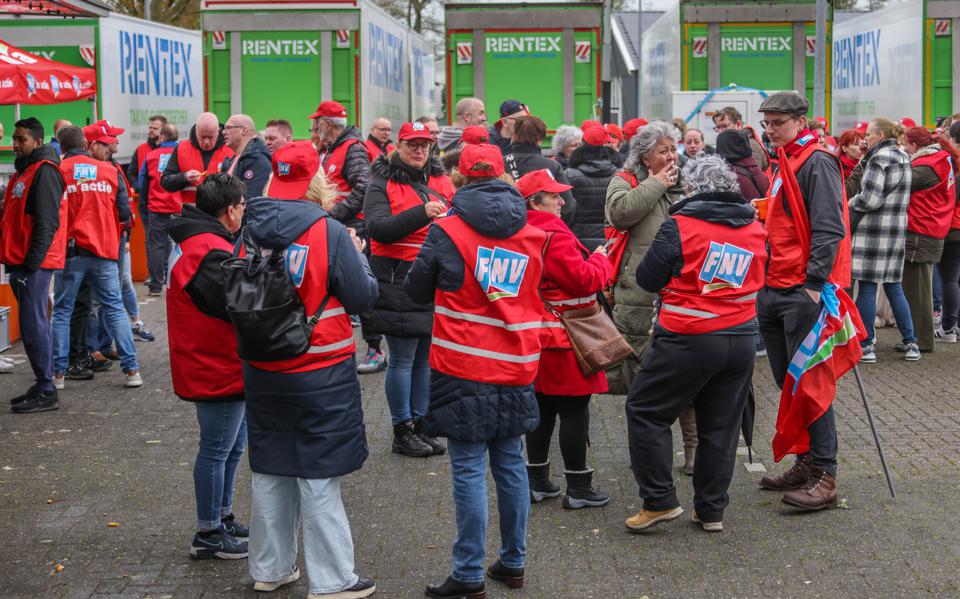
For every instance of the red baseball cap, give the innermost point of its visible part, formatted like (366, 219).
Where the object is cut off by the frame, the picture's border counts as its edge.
(589, 124)
(908, 122)
(414, 131)
(861, 127)
(294, 166)
(537, 181)
(473, 155)
(614, 131)
(631, 127)
(102, 132)
(330, 110)
(475, 134)
(596, 136)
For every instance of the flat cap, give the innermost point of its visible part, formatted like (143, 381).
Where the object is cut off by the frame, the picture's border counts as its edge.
(786, 102)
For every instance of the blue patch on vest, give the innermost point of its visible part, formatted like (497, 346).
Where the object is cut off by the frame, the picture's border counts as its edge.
(18, 189)
(296, 262)
(500, 272)
(805, 139)
(727, 264)
(164, 159)
(84, 172)
(776, 186)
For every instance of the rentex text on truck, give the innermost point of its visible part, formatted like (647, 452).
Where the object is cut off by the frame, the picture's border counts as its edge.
(544, 54)
(143, 68)
(902, 61)
(279, 60)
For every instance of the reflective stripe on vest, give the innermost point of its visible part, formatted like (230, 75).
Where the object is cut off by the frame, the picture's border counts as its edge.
(484, 353)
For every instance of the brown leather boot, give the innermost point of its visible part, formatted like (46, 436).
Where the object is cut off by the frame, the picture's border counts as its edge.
(819, 493)
(794, 478)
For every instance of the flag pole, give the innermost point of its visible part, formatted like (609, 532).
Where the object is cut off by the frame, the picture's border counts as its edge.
(873, 428)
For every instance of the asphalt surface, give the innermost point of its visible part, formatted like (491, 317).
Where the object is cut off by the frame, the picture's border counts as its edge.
(96, 500)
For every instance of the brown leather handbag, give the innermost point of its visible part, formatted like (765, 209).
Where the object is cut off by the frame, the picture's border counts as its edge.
(596, 342)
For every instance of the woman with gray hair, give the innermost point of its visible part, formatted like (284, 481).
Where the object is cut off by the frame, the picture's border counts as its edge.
(706, 262)
(567, 139)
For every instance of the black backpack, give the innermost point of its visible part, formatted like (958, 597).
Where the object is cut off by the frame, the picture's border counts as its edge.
(264, 306)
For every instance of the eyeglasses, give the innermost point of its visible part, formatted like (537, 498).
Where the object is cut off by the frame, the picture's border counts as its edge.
(776, 124)
(721, 128)
(384, 129)
(225, 127)
(421, 147)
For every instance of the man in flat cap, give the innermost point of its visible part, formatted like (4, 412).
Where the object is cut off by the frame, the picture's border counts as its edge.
(809, 254)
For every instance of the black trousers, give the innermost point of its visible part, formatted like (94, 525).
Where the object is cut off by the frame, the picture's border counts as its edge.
(786, 317)
(78, 325)
(711, 371)
(574, 413)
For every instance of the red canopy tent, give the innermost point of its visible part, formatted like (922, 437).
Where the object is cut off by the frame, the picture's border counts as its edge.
(29, 79)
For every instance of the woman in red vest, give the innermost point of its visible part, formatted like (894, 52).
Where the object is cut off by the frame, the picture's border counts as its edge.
(204, 364)
(932, 203)
(408, 191)
(571, 279)
(707, 263)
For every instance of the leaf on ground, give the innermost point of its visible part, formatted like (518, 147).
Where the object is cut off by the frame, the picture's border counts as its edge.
(58, 568)
(113, 525)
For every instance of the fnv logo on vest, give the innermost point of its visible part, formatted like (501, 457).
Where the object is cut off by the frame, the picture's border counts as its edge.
(283, 168)
(84, 172)
(18, 189)
(296, 263)
(500, 272)
(164, 159)
(726, 264)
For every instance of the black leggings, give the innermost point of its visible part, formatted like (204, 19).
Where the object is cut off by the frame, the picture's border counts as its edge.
(574, 415)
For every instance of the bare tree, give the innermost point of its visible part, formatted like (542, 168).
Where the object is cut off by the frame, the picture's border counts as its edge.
(183, 13)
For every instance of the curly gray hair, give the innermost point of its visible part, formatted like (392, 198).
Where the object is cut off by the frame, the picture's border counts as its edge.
(709, 173)
(564, 135)
(646, 140)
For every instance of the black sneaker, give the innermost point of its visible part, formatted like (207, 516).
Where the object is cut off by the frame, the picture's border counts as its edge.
(235, 528)
(98, 364)
(78, 371)
(364, 588)
(30, 394)
(219, 545)
(42, 401)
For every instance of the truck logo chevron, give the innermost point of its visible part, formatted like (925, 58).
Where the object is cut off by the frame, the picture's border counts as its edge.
(343, 38)
(500, 272)
(582, 51)
(152, 65)
(88, 54)
(296, 263)
(464, 52)
(726, 264)
(699, 47)
(219, 40)
(856, 60)
(84, 172)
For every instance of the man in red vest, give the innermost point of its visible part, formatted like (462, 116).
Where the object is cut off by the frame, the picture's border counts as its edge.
(96, 206)
(346, 165)
(378, 142)
(136, 161)
(163, 206)
(202, 153)
(32, 246)
(789, 305)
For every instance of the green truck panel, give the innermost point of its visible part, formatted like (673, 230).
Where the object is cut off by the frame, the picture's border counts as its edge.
(939, 73)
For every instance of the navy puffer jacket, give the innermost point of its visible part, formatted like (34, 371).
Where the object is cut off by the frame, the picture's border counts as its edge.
(461, 409)
(590, 170)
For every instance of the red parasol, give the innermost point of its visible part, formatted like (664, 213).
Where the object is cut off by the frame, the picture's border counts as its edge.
(29, 79)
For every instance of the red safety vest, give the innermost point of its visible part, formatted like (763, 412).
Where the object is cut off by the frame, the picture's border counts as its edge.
(160, 200)
(931, 211)
(91, 193)
(722, 272)
(332, 339)
(189, 158)
(203, 350)
(333, 168)
(141, 154)
(16, 226)
(375, 151)
(490, 330)
(616, 238)
(789, 234)
(403, 197)
(955, 224)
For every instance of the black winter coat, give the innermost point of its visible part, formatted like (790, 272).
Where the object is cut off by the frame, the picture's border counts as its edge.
(462, 409)
(253, 168)
(396, 314)
(526, 158)
(356, 171)
(590, 171)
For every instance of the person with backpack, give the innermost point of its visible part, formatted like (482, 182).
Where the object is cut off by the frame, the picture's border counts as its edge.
(204, 364)
(408, 192)
(304, 416)
(735, 149)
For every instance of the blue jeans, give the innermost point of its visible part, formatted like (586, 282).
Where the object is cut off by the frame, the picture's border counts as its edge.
(468, 465)
(867, 305)
(408, 377)
(128, 294)
(101, 275)
(223, 437)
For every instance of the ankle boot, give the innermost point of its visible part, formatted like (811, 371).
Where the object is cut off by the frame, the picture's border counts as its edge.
(454, 589)
(541, 487)
(818, 493)
(794, 478)
(580, 491)
(688, 427)
(436, 446)
(407, 442)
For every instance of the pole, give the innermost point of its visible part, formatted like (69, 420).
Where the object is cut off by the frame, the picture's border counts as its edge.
(16, 111)
(606, 63)
(820, 62)
(873, 428)
(146, 10)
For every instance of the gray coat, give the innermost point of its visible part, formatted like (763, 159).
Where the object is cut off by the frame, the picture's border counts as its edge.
(878, 241)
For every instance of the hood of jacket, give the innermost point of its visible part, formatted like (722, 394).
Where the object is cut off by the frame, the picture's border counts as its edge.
(275, 224)
(493, 208)
(196, 143)
(393, 169)
(594, 161)
(349, 132)
(193, 221)
(722, 207)
(449, 136)
(44, 152)
(733, 145)
(926, 151)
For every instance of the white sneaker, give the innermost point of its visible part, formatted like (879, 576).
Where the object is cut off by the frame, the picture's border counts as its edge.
(133, 379)
(941, 335)
(58, 381)
(6, 364)
(268, 587)
(913, 352)
(708, 526)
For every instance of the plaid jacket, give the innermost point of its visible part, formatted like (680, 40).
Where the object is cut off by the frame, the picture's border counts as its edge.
(879, 239)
